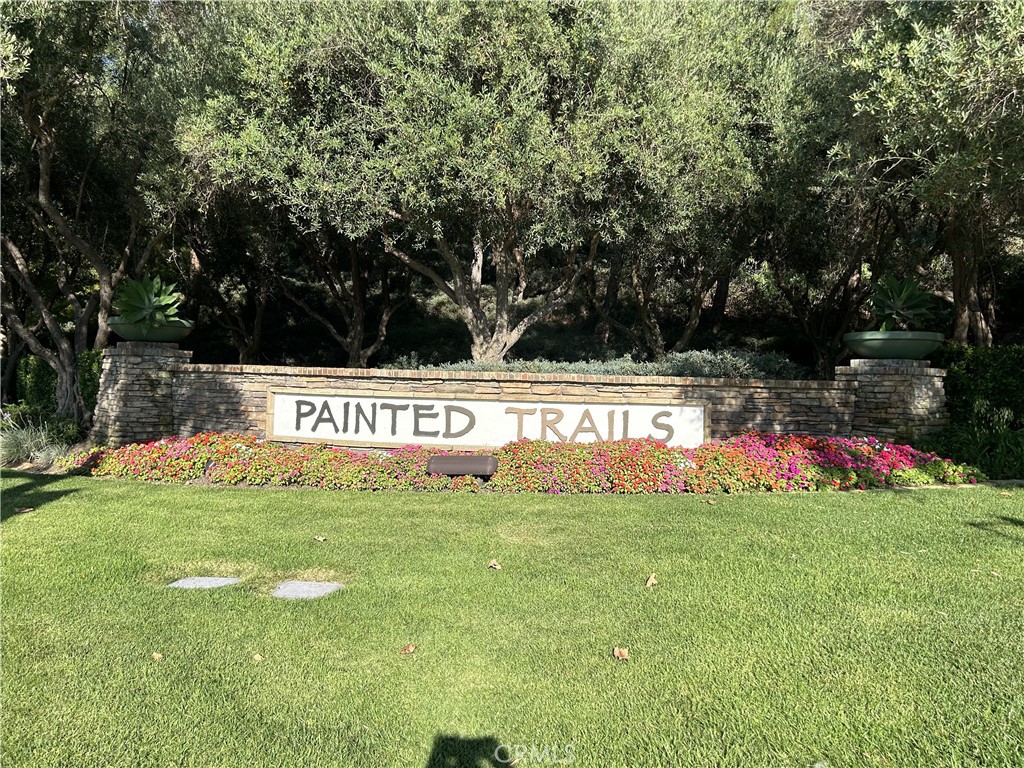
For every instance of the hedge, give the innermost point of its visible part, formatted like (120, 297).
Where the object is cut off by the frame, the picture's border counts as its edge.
(723, 363)
(985, 396)
(37, 383)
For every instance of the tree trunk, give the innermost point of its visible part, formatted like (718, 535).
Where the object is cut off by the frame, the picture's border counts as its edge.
(609, 303)
(692, 321)
(643, 282)
(356, 315)
(980, 326)
(12, 355)
(106, 301)
(492, 346)
(650, 333)
(65, 361)
(251, 343)
(720, 299)
(825, 354)
(966, 248)
(69, 397)
(356, 354)
(494, 331)
(249, 354)
(605, 309)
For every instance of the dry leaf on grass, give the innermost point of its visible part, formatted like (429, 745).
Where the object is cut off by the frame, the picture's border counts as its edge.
(710, 501)
(320, 538)
(407, 649)
(622, 654)
(494, 565)
(651, 581)
(158, 656)
(257, 657)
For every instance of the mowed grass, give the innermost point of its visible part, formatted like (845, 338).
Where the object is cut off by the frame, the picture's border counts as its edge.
(882, 628)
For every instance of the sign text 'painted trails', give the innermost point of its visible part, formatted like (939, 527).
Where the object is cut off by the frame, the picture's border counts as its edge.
(356, 420)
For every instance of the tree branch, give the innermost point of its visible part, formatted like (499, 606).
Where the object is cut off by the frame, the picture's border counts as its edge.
(324, 321)
(21, 273)
(423, 269)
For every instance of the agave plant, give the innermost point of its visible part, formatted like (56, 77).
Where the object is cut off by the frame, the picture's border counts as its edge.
(149, 302)
(901, 302)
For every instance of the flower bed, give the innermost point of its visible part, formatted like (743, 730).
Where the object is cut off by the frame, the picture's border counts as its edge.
(751, 462)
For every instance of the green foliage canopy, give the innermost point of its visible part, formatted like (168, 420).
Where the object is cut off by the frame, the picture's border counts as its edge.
(940, 124)
(492, 144)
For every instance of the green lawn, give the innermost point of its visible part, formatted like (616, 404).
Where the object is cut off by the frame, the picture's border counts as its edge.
(882, 628)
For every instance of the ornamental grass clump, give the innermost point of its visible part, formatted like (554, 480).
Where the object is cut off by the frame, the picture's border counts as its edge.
(28, 442)
(754, 461)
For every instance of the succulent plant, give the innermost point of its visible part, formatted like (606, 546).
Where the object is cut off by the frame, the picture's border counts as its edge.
(149, 302)
(901, 302)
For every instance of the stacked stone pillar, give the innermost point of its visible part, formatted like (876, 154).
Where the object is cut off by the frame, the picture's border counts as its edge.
(896, 400)
(136, 398)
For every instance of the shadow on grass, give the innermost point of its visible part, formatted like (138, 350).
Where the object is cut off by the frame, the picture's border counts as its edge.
(458, 752)
(30, 493)
(1007, 527)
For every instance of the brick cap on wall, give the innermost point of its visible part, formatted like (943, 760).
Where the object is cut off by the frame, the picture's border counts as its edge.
(887, 366)
(888, 362)
(162, 348)
(546, 378)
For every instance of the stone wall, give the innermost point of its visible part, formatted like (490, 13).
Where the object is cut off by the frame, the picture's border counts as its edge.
(136, 392)
(897, 400)
(149, 391)
(233, 398)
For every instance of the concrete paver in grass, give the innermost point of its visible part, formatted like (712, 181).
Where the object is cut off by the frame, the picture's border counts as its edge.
(202, 582)
(305, 590)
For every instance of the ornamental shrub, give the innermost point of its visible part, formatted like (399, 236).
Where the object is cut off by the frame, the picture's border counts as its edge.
(37, 385)
(749, 462)
(986, 408)
(723, 363)
(975, 373)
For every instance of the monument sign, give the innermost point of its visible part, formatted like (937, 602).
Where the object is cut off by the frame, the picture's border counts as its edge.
(304, 416)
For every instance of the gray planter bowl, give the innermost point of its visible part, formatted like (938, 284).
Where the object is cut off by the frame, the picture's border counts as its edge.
(905, 345)
(176, 330)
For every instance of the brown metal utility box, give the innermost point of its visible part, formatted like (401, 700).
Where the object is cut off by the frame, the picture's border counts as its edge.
(457, 466)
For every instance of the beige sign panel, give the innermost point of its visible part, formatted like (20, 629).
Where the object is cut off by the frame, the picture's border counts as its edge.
(464, 423)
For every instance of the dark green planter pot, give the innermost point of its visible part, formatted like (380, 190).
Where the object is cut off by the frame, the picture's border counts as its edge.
(175, 330)
(900, 345)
